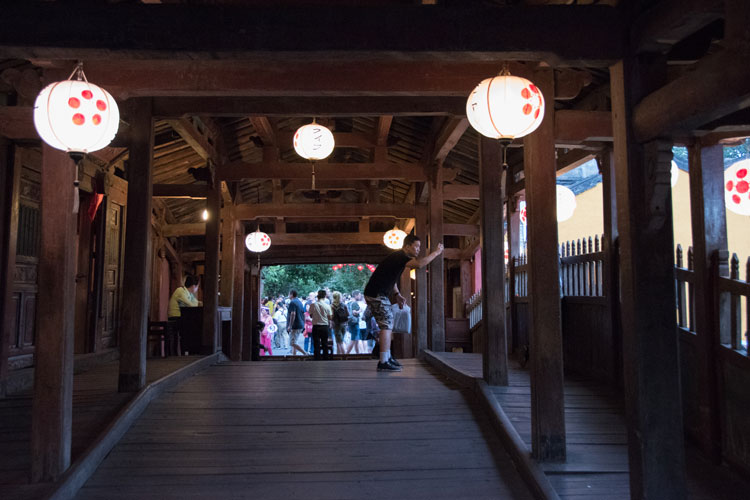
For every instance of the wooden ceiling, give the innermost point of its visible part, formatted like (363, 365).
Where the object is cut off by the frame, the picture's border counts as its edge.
(231, 81)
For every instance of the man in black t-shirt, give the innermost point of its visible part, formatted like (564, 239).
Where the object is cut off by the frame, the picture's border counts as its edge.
(383, 282)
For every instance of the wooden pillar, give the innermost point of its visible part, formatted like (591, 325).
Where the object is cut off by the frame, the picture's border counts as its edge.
(52, 408)
(647, 298)
(610, 268)
(420, 330)
(401, 344)
(227, 257)
(254, 310)
(466, 288)
(495, 353)
(709, 243)
(238, 297)
(136, 272)
(7, 254)
(211, 343)
(437, 266)
(514, 252)
(545, 333)
(247, 317)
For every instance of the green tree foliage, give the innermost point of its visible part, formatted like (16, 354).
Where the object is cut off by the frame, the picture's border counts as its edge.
(732, 154)
(306, 278)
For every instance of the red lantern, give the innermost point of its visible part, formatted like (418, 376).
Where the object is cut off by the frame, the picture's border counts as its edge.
(360, 267)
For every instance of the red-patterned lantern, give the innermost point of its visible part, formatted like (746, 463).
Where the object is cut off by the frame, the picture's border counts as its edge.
(394, 238)
(258, 241)
(76, 116)
(737, 187)
(566, 203)
(505, 107)
(360, 267)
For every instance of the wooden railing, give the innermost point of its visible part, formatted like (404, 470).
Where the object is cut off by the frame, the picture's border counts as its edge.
(521, 276)
(474, 310)
(685, 290)
(581, 268)
(738, 291)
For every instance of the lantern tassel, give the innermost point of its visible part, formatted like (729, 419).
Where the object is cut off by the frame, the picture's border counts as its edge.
(313, 176)
(77, 159)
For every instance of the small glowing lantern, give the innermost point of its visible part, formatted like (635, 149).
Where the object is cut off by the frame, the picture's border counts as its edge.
(413, 274)
(505, 107)
(258, 241)
(76, 116)
(204, 215)
(566, 203)
(313, 142)
(360, 267)
(394, 238)
(737, 187)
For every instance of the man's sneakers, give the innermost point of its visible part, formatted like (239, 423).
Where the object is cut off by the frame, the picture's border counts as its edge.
(394, 362)
(389, 366)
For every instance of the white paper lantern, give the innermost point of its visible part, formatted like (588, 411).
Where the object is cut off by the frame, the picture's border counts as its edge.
(313, 142)
(737, 187)
(675, 173)
(566, 203)
(394, 238)
(258, 241)
(76, 116)
(505, 107)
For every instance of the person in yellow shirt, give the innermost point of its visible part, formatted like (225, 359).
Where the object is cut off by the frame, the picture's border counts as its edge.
(184, 296)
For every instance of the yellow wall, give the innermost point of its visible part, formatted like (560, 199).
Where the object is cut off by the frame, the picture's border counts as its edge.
(588, 221)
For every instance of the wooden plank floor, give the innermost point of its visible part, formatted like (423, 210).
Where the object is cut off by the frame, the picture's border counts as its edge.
(312, 430)
(95, 402)
(597, 461)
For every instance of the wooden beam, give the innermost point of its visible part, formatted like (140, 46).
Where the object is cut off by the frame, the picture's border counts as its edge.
(185, 128)
(460, 229)
(211, 341)
(461, 192)
(238, 294)
(421, 328)
(52, 415)
(382, 130)
(265, 130)
(226, 194)
(192, 191)
(310, 106)
(574, 127)
(17, 122)
(322, 210)
(135, 296)
(545, 332)
(227, 257)
(335, 185)
(323, 171)
(495, 353)
(669, 21)
(449, 135)
(307, 239)
(185, 229)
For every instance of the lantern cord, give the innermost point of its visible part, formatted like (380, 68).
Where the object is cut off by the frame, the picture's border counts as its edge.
(504, 143)
(313, 176)
(78, 73)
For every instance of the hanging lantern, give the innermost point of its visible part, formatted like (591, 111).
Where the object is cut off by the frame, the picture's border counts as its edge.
(204, 215)
(566, 203)
(313, 141)
(394, 238)
(505, 107)
(737, 187)
(360, 267)
(258, 241)
(674, 173)
(76, 116)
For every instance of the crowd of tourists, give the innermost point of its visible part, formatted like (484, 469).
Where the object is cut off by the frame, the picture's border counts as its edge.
(288, 323)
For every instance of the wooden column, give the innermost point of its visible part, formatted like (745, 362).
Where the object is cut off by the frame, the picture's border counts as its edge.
(514, 252)
(227, 257)
(495, 353)
(7, 255)
(420, 330)
(611, 280)
(52, 408)
(466, 288)
(247, 316)
(709, 243)
(254, 310)
(136, 272)
(238, 296)
(647, 298)
(437, 279)
(545, 333)
(210, 343)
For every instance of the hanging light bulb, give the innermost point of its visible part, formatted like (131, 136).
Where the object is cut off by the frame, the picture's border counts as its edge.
(505, 107)
(258, 241)
(204, 215)
(394, 238)
(76, 116)
(566, 203)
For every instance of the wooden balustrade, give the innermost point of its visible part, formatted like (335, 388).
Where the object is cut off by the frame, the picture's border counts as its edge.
(474, 310)
(738, 291)
(581, 267)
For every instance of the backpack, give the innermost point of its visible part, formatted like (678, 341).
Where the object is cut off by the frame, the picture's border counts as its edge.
(341, 314)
